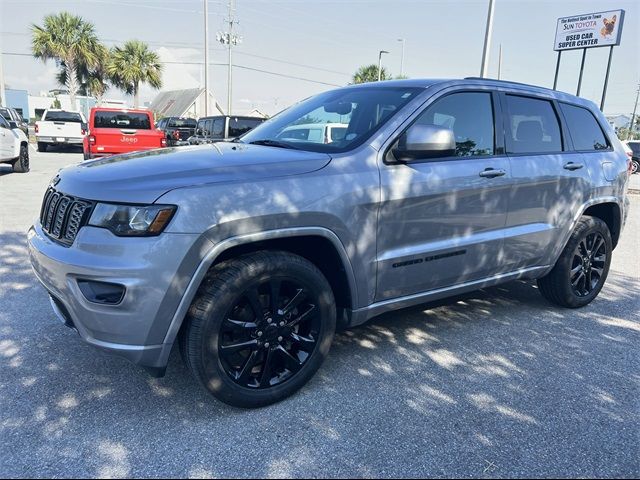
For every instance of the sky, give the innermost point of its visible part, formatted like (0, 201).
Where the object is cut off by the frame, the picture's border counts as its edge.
(322, 43)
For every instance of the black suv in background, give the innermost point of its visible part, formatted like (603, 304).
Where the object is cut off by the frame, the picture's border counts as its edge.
(13, 117)
(177, 130)
(224, 127)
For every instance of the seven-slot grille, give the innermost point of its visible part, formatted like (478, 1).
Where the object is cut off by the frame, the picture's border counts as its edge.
(62, 216)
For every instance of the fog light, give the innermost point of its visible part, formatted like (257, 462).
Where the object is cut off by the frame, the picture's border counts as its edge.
(102, 292)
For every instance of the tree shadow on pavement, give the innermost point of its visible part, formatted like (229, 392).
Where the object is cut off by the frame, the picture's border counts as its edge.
(493, 383)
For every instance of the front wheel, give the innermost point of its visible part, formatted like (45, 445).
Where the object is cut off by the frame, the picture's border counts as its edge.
(635, 166)
(583, 266)
(21, 165)
(260, 327)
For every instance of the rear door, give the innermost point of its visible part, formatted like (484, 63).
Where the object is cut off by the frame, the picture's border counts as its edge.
(442, 220)
(550, 181)
(124, 131)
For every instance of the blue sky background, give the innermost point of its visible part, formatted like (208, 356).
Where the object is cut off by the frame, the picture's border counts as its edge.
(443, 39)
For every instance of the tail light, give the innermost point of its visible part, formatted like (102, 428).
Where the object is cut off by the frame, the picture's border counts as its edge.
(163, 142)
(92, 139)
(176, 134)
(83, 131)
(37, 128)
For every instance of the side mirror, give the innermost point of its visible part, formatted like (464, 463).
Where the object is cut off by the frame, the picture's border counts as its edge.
(423, 142)
(198, 131)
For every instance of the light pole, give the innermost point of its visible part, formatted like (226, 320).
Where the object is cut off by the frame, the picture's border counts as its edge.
(633, 115)
(206, 58)
(487, 42)
(402, 58)
(380, 63)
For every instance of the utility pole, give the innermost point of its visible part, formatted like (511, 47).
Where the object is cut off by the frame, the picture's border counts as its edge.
(380, 63)
(500, 63)
(487, 41)
(206, 58)
(229, 39)
(402, 58)
(633, 115)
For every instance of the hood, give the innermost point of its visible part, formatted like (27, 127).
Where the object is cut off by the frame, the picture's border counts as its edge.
(142, 177)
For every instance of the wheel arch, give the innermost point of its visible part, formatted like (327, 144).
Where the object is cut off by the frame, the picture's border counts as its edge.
(312, 243)
(609, 212)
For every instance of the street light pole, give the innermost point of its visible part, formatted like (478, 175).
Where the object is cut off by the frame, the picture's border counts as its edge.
(487, 41)
(633, 115)
(402, 58)
(206, 58)
(380, 63)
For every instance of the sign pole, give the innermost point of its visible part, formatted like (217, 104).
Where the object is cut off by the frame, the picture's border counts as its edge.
(606, 79)
(584, 56)
(555, 79)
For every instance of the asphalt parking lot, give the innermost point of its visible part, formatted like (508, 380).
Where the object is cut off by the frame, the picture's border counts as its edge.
(494, 384)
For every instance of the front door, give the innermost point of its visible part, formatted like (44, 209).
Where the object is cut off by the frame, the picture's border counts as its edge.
(442, 220)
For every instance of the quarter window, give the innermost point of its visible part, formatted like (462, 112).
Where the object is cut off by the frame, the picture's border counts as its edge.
(533, 126)
(584, 128)
(470, 116)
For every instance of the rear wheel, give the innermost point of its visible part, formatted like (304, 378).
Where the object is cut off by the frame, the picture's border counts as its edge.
(260, 327)
(635, 166)
(42, 147)
(21, 165)
(583, 266)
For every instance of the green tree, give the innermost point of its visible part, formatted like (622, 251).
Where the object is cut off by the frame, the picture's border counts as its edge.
(94, 80)
(134, 64)
(56, 104)
(67, 39)
(369, 73)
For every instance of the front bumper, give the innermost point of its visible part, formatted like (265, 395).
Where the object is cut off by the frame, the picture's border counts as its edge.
(153, 270)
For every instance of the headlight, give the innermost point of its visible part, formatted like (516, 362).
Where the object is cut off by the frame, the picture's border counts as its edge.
(132, 220)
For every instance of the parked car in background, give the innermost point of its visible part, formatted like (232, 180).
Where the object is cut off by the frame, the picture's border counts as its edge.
(14, 146)
(60, 127)
(249, 255)
(113, 130)
(177, 130)
(12, 116)
(218, 128)
(634, 148)
(315, 132)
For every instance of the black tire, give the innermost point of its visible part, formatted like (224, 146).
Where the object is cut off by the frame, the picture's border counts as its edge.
(635, 166)
(292, 334)
(42, 147)
(86, 155)
(21, 165)
(582, 269)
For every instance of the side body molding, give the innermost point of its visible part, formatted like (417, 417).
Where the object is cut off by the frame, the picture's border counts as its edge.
(219, 248)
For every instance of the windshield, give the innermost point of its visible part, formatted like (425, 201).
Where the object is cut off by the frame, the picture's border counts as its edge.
(335, 121)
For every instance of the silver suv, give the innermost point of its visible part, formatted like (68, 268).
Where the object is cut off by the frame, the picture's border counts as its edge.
(248, 254)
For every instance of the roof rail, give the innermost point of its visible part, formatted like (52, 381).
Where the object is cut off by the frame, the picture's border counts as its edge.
(505, 81)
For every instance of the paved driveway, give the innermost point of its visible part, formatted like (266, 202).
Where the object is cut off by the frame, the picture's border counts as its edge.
(494, 384)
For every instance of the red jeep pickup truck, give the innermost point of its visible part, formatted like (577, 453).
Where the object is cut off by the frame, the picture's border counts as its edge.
(113, 131)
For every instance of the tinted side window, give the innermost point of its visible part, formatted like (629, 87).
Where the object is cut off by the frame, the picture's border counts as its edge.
(218, 128)
(207, 127)
(470, 116)
(201, 126)
(584, 128)
(240, 126)
(533, 126)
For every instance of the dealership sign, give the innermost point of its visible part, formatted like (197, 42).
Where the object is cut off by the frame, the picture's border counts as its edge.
(590, 30)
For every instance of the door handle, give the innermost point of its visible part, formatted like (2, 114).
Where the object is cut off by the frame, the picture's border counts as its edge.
(573, 166)
(492, 173)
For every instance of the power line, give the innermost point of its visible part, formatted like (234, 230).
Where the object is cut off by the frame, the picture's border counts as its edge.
(287, 76)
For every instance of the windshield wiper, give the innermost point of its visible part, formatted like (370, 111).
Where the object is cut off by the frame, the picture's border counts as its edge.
(273, 143)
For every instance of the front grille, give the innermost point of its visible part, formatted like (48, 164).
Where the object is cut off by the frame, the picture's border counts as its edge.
(62, 216)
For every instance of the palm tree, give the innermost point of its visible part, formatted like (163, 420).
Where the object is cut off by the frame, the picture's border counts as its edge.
(92, 80)
(369, 73)
(132, 65)
(69, 40)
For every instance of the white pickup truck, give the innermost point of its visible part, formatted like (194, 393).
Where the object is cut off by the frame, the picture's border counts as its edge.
(60, 127)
